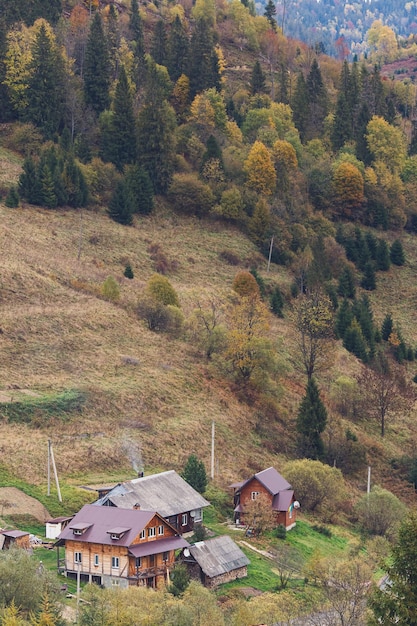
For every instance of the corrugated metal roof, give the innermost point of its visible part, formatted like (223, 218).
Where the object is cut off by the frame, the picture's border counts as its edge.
(156, 547)
(100, 520)
(14, 534)
(167, 493)
(218, 556)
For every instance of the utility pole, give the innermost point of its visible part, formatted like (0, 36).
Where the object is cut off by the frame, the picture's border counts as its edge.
(212, 450)
(55, 472)
(49, 467)
(270, 253)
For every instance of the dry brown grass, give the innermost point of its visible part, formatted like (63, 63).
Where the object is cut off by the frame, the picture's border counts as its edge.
(58, 333)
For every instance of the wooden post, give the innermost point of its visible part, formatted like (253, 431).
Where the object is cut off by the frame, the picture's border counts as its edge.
(212, 450)
(270, 253)
(55, 474)
(49, 467)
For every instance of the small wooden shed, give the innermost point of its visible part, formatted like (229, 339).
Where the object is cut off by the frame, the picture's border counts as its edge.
(215, 561)
(54, 527)
(18, 538)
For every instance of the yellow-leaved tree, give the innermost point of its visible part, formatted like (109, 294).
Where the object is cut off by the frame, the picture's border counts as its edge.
(259, 169)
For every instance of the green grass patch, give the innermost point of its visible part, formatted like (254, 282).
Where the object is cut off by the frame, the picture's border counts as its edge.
(27, 523)
(307, 541)
(48, 556)
(72, 497)
(38, 411)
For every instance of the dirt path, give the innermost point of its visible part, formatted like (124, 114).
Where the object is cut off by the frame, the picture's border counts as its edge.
(15, 502)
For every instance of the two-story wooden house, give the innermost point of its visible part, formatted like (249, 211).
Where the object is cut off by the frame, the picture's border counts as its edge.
(277, 491)
(111, 546)
(166, 492)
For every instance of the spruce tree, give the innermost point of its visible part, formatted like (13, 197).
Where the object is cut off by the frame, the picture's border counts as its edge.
(195, 473)
(397, 255)
(97, 68)
(48, 197)
(45, 93)
(123, 127)
(300, 106)
(383, 261)
(362, 150)
(311, 422)
(177, 50)
(276, 302)
(12, 198)
(29, 184)
(159, 43)
(344, 319)
(113, 38)
(346, 286)
(368, 281)
(270, 13)
(203, 69)
(139, 188)
(387, 327)
(257, 83)
(317, 101)
(75, 184)
(354, 341)
(120, 206)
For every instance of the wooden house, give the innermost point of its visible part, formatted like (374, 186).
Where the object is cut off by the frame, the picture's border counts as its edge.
(215, 561)
(118, 547)
(277, 491)
(17, 538)
(168, 493)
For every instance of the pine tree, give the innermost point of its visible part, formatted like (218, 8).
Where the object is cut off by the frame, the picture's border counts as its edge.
(97, 68)
(397, 255)
(311, 422)
(387, 327)
(120, 206)
(346, 286)
(123, 127)
(383, 261)
(177, 50)
(45, 91)
(159, 43)
(257, 83)
(195, 473)
(368, 281)
(270, 13)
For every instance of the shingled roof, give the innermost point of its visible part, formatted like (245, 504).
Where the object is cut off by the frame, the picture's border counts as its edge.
(167, 493)
(218, 556)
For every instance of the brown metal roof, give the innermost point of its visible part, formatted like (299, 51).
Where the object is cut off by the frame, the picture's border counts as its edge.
(158, 546)
(272, 480)
(14, 534)
(58, 520)
(282, 500)
(102, 519)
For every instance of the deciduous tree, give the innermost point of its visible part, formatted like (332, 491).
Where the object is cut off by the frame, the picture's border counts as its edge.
(259, 169)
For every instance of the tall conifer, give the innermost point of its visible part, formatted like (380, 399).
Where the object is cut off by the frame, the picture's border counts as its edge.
(123, 125)
(177, 50)
(311, 422)
(97, 68)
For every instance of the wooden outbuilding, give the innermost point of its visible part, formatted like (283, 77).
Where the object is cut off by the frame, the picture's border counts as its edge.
(119, 547)
(215, 561)
(55, 526)
(277, 491)
(17, 538)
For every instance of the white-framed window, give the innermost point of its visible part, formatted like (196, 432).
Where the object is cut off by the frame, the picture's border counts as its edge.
(78, 557)
(198, 515)
(184, 519)
(254, 495)
(96, 560)
(115, 562)
(152, 531)
(142, 534)
(161, 529)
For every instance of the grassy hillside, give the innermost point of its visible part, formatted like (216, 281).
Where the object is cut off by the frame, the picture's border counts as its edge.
(110, 393)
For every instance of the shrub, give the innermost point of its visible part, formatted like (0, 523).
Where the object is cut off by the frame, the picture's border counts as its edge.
(188, 194)
(323, 530)
(159, 288)
(110, 289)
(245, 284)
(379, 512)
(128, 273)
(12, 198)
(175, 320)
(280, 532)
(154, 313)
(229, 257)
(276, 302)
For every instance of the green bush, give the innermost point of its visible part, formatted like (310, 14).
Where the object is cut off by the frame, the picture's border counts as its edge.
(40, 410)
(110, 289)
(12, 198)
(159, 288)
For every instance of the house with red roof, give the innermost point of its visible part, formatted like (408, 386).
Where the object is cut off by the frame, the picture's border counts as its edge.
(119, 547)
(277, 491)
